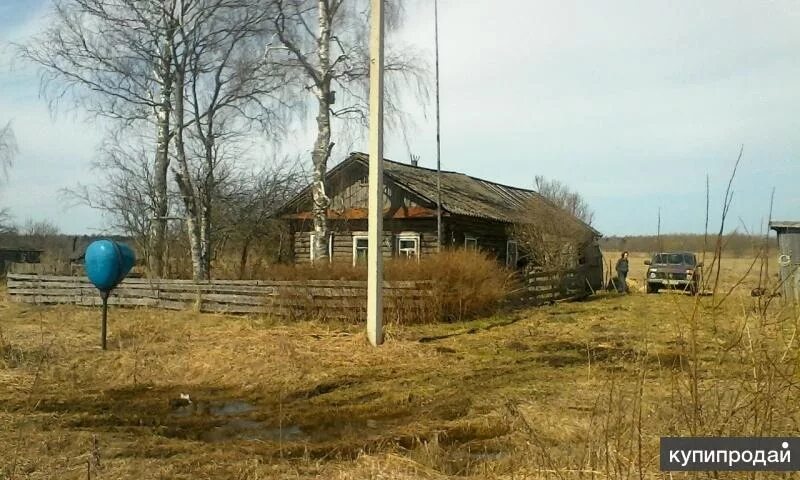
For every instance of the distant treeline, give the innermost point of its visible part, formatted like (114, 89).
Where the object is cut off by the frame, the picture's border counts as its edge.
(733, 243)
(56, 247)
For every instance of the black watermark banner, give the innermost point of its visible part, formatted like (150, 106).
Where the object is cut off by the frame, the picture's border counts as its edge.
(768, 454)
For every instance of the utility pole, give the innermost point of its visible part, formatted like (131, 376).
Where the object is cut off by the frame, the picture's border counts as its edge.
(438, 131)
(375, 205)
(658, 232)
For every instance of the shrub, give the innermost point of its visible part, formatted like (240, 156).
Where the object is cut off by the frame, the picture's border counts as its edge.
(464, 283)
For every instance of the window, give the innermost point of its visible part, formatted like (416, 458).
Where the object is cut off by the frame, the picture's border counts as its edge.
(360, 247)
(311, 246)
(408, 245)
(512, 254)
(470, 243)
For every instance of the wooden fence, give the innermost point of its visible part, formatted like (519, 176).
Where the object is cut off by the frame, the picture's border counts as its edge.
(404, 301)
(542, 287)
(49, 268)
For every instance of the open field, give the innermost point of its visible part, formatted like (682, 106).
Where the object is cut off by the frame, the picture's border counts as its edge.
(574, 390)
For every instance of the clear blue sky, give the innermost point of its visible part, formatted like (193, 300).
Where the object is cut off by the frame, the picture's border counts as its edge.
(631, 103)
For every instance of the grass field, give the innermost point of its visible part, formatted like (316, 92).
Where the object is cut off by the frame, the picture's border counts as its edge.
(574, 390)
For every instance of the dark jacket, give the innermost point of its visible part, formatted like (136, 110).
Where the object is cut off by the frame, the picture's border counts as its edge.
(622, 265)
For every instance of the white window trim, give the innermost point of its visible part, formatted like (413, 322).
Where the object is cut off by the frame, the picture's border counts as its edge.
(509, 263)
(406, 236)
(311, 246)
(356, 237)
(467, 239)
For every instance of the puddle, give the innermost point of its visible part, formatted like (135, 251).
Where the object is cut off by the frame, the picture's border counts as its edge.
(235, 407)
(243, 429)
(218, 409)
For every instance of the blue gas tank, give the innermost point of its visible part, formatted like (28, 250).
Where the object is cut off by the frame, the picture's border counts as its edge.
(108, 262)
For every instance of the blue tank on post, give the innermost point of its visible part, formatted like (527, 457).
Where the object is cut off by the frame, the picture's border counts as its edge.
(106, 263)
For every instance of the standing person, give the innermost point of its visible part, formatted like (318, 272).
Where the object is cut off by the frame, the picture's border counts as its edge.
(622, 273)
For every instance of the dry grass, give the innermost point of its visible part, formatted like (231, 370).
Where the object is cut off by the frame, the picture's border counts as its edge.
(466, 284)
(578, 390)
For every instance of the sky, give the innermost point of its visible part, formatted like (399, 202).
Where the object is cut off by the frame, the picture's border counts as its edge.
(630, 103)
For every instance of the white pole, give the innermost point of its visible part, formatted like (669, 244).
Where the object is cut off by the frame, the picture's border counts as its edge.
(438, 136)
(375, 206)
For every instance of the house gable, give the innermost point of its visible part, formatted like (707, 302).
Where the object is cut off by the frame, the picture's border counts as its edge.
(347, 188)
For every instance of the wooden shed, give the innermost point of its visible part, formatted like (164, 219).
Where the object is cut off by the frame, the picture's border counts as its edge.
(788, 257)
(10, 255)
(476, 213)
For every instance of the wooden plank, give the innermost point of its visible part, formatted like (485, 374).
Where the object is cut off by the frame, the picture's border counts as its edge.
(45, 291)
(132, 282)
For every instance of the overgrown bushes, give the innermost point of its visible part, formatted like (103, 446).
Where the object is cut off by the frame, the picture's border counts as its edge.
(465, 283)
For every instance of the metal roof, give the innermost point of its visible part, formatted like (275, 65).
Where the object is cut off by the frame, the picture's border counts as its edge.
(461, 193)
(784, 225)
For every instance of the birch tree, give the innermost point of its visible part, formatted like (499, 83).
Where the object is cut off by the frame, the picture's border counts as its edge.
(223, 88)
(113, 58)
(324, 42)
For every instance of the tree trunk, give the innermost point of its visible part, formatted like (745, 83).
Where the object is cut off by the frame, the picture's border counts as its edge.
(205, 233)
(321, 201)
(194, 220)
(158, 227)
(243, 258)
(322, 145)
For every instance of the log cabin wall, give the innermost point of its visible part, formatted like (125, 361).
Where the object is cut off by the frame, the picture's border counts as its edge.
(489, 236)
(344, 233)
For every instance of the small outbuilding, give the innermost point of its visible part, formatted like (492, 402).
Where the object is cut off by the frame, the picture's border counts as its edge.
(10, 255)
(789, 257)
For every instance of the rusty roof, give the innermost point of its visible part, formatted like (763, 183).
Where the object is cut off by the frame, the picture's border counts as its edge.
(461, 193)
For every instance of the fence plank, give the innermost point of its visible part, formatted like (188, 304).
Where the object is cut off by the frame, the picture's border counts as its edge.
(292, 299)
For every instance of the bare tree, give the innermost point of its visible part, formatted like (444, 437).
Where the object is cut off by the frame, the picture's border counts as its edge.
(561, 195)
(8, 152)
(223, 87)
(8, 147)
(550, 237)
(325, 43)
(246, 206)
(112, 57)
(39, 228)
(126, 196)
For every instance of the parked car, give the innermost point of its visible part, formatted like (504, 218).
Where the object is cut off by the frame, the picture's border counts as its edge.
(674, 270)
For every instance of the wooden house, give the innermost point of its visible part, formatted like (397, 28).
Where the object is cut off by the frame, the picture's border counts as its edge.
(476, 213)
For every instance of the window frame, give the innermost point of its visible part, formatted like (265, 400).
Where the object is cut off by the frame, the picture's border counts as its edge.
(469, 238)
(356, 237)
(516, 253)
(409, 236)
(311, 246)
